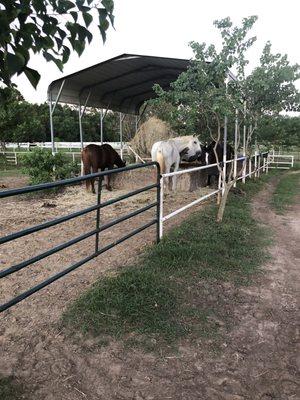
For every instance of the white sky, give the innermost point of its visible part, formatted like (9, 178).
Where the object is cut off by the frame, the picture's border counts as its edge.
(165, 27)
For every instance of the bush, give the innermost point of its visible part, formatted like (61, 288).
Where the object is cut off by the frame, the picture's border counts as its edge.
(42, 166)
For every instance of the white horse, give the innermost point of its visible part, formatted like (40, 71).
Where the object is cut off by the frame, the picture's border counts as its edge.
(168, 153)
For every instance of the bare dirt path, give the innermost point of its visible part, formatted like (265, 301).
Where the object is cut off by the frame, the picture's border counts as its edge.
(257, 360)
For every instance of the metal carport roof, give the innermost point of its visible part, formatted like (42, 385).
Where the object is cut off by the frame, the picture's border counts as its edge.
(121, 83)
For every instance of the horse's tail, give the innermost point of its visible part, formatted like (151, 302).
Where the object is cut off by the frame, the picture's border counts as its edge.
(161, 161)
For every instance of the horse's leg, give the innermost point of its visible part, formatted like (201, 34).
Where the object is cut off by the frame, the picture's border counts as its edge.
(108, 187)
(87, 171)
(175, 177)
(94, 170)
(208, 179)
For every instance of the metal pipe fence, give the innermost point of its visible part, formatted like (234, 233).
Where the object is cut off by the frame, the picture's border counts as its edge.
(258, 166)
(95, 232)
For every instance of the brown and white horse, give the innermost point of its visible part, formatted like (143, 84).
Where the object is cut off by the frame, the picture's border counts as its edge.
(94, 157)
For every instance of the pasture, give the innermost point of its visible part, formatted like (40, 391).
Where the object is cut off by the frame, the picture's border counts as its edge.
(158, 321)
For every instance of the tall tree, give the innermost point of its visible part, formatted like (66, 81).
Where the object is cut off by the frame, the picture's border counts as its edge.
(206, 91)
(51, 27)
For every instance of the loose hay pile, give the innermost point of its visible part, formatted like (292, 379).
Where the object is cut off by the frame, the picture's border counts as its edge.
(150, 132)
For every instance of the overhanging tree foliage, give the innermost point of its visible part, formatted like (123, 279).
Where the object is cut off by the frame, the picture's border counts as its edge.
(205, 93)
(50, 27)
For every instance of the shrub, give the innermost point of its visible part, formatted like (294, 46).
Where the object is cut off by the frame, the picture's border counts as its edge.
(42, 166)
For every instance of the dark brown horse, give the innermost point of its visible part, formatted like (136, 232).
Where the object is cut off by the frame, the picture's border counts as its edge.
(96, 157)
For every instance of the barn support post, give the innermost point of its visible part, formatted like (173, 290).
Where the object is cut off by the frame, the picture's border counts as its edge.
(137, 120)
(51, 110)
(51, 123)
(139, 117)
(81, 111)
(235, 146)
(101, 126)
(224, 154)
(121, 118)
(80, 124)
(102, 117)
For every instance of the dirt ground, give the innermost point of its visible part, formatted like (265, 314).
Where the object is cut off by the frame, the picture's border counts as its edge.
(259, 357)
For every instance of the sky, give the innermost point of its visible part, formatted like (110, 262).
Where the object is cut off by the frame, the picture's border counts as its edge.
(165, 28)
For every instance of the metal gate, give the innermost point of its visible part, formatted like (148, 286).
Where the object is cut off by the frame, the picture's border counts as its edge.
(95, 232)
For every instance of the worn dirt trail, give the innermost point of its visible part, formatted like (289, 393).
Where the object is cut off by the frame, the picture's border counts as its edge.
(259, 358)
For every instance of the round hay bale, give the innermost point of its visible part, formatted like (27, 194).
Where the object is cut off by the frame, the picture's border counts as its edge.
(151, 131)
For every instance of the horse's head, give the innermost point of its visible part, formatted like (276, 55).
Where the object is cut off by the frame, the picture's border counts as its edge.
(192, 150)
(119, 162)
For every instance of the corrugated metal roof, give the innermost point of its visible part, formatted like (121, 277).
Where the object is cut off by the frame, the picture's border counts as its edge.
(121, 84)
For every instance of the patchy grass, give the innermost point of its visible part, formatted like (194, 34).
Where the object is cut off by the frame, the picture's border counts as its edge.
(11, 172)
(286, 191)
(9, 389)
(175, 289)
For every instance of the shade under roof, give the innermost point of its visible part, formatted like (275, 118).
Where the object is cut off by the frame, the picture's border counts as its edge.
(121, 84)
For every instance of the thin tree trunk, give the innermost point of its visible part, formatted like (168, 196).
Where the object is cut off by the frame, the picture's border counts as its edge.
(223, 202)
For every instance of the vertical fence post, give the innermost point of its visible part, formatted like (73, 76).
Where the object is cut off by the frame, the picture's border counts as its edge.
(235, 147)
(250, 167)
(99, 188)
(161, 207)
(292, 161)
(244, 145)
(224, 155)
(158, 207)
(255, 164)
(267, 163)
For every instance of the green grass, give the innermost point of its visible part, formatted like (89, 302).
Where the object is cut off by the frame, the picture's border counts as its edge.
(286, 191)
(10, 172)
(9, 389)
(165, 295)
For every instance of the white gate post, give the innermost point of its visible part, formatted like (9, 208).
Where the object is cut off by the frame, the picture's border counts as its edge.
(224, 155)
(235, 147)
(244, 145)
(161, 208)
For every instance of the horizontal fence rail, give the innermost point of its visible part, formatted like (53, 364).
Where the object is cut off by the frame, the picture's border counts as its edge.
(260, 161)
(281, 161)
(95, 232)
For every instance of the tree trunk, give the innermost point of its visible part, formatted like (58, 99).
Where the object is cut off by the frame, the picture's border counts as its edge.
(223, 202)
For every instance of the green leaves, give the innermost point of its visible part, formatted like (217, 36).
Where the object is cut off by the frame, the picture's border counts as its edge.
(87, 19)
(198, 100)
(15, 62)
(39, 31)
(32, 75)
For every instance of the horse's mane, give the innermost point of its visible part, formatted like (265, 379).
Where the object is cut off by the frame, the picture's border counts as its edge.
(184, 138)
